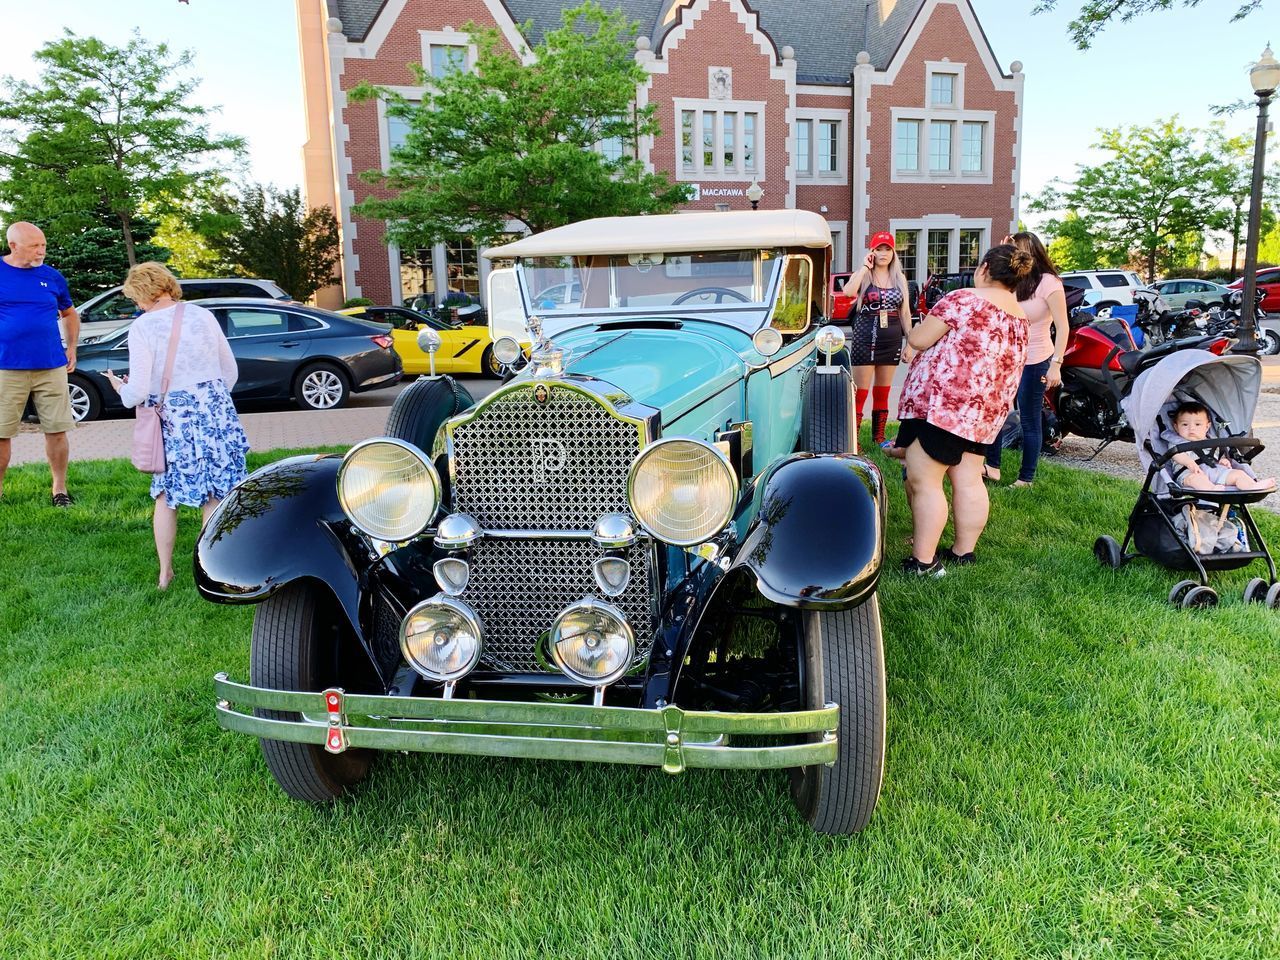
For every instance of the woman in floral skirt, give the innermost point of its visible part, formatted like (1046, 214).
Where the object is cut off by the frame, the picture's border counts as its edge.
(204, 443)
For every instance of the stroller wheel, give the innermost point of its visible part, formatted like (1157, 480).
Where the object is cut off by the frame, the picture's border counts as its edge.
(1255, 591)
(1180, 590)
(1273, 597)
(1108, 552)
(1200, 597)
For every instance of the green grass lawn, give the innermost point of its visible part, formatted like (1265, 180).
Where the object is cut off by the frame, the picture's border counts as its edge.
(1075, 769)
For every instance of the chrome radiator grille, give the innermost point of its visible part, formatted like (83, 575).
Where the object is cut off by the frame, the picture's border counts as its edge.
(558, 465)
(519, 587)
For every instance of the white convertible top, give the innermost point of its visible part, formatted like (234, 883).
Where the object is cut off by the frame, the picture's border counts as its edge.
(674, 232)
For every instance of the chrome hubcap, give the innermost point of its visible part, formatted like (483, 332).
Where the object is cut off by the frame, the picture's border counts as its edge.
(321, 389)
(79, 401)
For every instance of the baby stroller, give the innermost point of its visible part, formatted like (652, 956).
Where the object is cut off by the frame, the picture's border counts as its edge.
(1189, 529)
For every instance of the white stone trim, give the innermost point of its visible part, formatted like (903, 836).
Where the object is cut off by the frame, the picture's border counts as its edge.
(1016, 146)
(816, 90)
(956, 118)
(941, 221)
(337, 48)
(839, 250)
(864, 78)
(702, 106)
(388, 16)
(448, 37)
(393, 268)
(903, 54)
(944, 66)
(840, 176)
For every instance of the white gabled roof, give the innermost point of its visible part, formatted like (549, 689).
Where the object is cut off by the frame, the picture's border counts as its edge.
(674, 233)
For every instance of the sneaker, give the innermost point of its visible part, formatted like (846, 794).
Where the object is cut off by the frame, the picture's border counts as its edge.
(913, 566)
(62, 499)
(959, 559)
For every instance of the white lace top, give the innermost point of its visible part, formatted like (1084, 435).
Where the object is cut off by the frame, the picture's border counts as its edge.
(203, 353)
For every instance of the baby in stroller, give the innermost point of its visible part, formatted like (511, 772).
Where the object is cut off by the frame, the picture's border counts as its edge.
(1201, 470)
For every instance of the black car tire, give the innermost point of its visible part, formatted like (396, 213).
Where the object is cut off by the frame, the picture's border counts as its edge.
(86, 403)
(321, 386)
(489, 365)
(844, 664)
(423, 406)
(1269, 343)
(294, 647)
(828, 425)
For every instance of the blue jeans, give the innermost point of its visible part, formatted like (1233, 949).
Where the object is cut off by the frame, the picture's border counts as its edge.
(1030, 404)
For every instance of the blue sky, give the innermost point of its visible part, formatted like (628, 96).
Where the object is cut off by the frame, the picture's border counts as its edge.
(1181, 61)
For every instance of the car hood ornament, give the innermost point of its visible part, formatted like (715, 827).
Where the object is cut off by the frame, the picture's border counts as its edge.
(545, 359)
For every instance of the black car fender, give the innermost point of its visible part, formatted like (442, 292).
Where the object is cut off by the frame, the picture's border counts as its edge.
(281, 524)
(817, 538)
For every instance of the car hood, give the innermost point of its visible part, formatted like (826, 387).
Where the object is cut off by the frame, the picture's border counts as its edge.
(669, 370)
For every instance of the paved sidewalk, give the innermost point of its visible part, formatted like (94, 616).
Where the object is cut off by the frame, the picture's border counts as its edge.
(366, 416)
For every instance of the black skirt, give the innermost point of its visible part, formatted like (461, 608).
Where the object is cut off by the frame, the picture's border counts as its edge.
(871, 344)
(941, 445)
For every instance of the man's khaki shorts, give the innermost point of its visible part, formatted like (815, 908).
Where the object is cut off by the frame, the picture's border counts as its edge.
(48, 388)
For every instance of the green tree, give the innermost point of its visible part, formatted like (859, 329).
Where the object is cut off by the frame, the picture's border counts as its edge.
(1233, 185)
(271, 234)
(92, 258)
(105, 128)
(1158, 187)
(1094, 15)
(517, 138)
(1072, 246)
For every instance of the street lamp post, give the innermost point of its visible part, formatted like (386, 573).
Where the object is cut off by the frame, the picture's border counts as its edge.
(754, 193)
(1265, 77)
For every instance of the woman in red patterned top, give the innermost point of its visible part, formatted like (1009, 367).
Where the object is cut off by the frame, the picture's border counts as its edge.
(958, 391)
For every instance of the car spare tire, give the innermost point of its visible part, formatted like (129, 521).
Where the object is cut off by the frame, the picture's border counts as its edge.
(423, 406)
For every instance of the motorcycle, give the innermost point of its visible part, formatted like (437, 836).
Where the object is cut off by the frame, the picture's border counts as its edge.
(1266, 331)
(1098, 370)
(1160, 324)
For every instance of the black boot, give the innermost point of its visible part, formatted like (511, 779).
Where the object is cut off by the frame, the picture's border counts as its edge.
(878, 419)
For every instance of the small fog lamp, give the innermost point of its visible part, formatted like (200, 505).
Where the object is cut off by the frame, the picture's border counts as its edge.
(592, 643)
(441, 639)
(452, 574)
(612, 575)
(767, 341)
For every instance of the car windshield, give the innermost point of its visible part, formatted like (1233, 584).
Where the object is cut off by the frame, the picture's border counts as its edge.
(716, 280)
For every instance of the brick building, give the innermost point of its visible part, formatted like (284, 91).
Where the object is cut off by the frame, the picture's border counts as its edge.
(882, 114)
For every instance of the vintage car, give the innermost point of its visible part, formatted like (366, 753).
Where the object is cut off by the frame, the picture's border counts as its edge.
(654, 545)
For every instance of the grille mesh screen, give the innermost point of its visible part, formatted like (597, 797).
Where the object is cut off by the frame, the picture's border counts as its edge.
(519, 587)
(558, 465)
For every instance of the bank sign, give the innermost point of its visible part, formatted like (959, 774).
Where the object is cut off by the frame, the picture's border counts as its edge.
(715, 193)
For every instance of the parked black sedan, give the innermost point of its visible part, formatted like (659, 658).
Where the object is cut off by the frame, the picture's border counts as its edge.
(284, 351)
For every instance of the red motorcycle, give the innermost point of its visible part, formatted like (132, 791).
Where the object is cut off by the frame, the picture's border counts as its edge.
(1098, 370)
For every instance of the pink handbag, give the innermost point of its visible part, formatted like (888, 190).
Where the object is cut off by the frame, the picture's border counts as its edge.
(148, 437)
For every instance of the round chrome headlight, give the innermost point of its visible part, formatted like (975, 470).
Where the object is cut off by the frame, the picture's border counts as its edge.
(682, 491)
(441, 639)
(592, 643)
(506, 351)
(389, 489)
(767, 341)
(830, 339)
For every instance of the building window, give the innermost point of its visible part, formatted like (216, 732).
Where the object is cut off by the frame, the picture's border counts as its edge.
(447, 58)
(970, 249)
(615, 148)
(397, 133)
(940, 146)
(907, 243)
(417, 278)
(939, 251)
(942, 89)
(973, 147)
(463, 265)
(804, 147)
(828, 146)
(726, 144)
(908, 145)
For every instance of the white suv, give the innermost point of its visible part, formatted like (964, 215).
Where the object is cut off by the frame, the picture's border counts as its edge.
(1105, 288)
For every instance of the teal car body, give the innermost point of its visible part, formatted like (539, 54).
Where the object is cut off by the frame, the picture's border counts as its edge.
(655, 544)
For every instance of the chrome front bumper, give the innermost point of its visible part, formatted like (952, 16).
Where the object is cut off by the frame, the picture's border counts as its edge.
(668, 737)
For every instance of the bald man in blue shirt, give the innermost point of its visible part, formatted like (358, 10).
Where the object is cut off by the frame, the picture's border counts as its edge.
(33, 362)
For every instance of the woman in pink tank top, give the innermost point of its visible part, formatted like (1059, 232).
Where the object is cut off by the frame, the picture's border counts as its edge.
(1042, 299)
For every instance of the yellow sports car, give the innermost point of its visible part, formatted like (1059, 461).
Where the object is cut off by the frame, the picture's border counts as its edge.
(464, 349)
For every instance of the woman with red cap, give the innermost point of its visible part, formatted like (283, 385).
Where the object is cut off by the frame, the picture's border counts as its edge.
(882, 300)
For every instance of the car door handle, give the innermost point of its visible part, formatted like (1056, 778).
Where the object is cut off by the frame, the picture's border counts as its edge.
(290, 343)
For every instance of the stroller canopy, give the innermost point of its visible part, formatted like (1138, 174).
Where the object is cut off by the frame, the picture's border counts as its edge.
(1228, 385)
